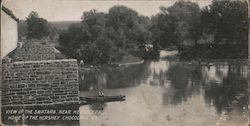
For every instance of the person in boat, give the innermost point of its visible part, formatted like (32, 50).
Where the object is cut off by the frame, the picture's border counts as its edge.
(100, 93)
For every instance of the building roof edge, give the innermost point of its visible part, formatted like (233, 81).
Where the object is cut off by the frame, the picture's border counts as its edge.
(10, 13)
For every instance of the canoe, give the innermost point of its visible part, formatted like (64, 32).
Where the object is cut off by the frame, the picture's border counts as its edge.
(103, 98)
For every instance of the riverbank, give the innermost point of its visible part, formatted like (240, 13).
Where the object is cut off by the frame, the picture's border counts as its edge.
(126, 60)
(213, 52)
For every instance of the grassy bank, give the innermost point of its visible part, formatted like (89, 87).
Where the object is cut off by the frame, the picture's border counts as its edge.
(208, 51)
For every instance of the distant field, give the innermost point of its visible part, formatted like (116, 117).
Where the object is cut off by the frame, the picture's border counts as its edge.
(63, 25)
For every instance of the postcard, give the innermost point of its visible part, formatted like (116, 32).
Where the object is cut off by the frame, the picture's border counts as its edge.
(125, 62)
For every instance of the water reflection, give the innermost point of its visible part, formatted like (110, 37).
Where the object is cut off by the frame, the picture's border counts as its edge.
(97, 107)
(112, 78)
(161, 92)
(231, 92)
(182, 85)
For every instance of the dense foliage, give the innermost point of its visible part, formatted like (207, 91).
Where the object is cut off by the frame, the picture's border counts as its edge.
(175, 25)
(37, 27)
(106, 37)
(102, 38)
(227, 21)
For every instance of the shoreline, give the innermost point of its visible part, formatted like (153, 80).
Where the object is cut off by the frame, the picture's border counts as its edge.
(128, 63)
(217, 60)
(115, 65)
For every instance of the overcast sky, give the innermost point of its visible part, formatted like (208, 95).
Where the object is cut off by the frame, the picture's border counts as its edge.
(71, 10)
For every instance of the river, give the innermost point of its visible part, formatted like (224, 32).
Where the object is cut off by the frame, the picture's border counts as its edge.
(168, 92)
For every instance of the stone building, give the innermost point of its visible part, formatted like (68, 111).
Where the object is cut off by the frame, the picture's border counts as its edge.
(32, 73)
(34, 76)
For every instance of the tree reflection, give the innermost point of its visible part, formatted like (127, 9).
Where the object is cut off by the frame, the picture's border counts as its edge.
(187, 80)
(112, 78)
(232, 92)
(127, 76)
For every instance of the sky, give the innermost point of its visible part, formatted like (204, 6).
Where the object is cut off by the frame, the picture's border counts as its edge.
(71, 10)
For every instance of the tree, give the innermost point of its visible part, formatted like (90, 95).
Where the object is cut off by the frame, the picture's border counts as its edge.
(131, 30)
(227, 21)
(87, 40)
(122, 17)
(129, 24)
(195, 30)
(102, 38)
(176, 24)
(37, 27)
(186, 16)
(163, 30)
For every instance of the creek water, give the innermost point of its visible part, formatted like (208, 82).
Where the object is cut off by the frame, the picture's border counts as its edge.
(168, 92)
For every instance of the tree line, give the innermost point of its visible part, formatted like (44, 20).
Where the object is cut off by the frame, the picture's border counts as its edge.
(101, 38)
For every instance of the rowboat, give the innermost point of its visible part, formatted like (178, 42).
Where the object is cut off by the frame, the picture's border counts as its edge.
(103, 98)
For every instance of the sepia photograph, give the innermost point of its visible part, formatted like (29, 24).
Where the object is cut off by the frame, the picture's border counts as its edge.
(124, 63)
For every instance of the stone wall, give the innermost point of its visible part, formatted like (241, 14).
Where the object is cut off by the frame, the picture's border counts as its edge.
(31, 51)
(40, 82)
